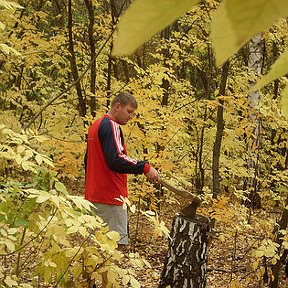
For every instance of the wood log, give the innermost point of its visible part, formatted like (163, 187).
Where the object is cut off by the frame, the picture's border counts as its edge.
(186, 262)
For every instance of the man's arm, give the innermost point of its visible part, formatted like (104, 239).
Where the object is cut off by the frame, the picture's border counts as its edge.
(117, 160)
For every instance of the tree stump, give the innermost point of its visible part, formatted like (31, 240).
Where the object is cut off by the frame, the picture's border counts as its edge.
(186, 262)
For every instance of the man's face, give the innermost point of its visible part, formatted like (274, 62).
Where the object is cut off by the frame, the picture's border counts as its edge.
(124, 113)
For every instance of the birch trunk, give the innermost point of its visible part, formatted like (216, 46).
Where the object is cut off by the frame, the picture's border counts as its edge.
(186, 261)
(253, 143)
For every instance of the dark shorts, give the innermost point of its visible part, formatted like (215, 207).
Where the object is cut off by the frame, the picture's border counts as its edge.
(116, 218)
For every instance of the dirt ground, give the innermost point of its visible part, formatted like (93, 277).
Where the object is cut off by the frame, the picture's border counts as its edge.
(229, 264)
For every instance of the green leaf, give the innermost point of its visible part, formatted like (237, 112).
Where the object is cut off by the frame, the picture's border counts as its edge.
(278, 69)
(21, 222)
(59, 186)
(236, 21)
(143, 19)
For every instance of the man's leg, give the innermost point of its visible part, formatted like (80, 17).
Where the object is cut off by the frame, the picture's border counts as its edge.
(117, 220)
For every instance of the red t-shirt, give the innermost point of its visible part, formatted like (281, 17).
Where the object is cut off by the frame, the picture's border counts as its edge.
(107, 163)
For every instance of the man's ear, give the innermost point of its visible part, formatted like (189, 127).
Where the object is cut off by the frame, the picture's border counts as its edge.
(117, 106)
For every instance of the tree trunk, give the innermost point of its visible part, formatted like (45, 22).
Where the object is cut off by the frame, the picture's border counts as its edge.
(207, 84)
(277, 81)
(253, 143)
(89, 6)
(199, 170)
(166, 33)
(74, 69)
(282, 226)
(219, 132)
(109, 76)
(186, 262)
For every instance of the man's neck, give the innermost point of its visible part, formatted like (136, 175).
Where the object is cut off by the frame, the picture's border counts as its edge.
(111, 115)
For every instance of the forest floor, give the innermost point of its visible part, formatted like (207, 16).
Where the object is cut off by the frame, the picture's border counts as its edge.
(229, 258)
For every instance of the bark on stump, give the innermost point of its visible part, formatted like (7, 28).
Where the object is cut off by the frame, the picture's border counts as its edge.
(186, 262)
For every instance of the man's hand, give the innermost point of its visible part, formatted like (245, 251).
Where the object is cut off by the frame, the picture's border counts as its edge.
(153, 176)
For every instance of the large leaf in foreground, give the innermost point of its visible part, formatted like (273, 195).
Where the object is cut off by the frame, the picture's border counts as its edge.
(284, 102)
(242, 20)
(143, 19)
(278, 69)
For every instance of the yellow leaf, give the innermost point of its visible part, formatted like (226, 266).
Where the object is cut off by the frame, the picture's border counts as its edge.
(12, 231)
(5, 48)
(235, 22)
(50, 263)
(134, 283)
(278, 69)
(10, 282)
(113, 235)
(145, 18)
(133, 208)
(42, 198)
(284, 102)
(255, 265)
(70, 252)
(55, 200)
(2, 26)
(72, 229)
(77, 270)
(10, 246)
(10, 4)
(125, 279)
(259, 253)
(38, 159)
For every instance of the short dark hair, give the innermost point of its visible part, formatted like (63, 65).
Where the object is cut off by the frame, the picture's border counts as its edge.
(125, 98)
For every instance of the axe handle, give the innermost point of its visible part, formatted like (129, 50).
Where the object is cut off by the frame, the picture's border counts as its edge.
(179, 192)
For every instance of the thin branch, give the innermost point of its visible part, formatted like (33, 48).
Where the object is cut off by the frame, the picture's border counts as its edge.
(72, 84)
(71, 260)
(234, 270)
(19, 253)
(40, 232)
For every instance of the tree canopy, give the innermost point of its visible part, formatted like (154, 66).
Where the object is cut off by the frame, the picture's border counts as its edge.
(188, 63)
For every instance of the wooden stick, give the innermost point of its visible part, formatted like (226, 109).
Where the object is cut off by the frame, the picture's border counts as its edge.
(180, 192)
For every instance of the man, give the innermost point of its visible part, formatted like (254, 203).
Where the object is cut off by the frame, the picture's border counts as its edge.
(107, 165)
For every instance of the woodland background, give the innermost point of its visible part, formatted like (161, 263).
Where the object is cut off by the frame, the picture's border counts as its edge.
(196, 123)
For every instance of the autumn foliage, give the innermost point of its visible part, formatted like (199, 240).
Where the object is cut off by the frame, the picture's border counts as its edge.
(58, 75)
